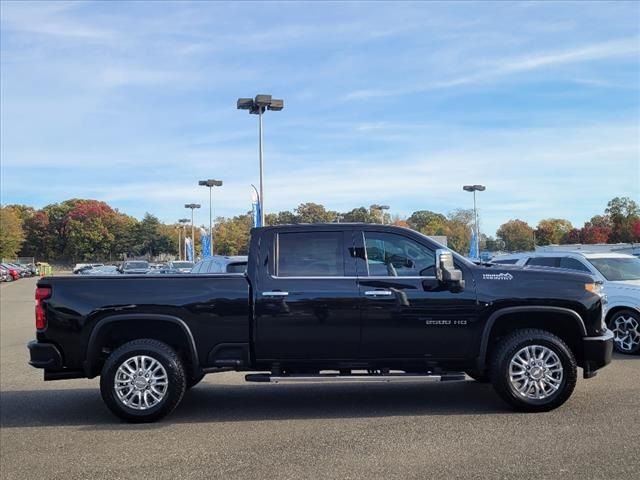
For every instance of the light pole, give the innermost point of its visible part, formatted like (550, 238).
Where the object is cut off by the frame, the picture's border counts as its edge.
(192, 206)
(210, 183)
(474, 189)
(381, 209)
(183, 222)
(257, 106)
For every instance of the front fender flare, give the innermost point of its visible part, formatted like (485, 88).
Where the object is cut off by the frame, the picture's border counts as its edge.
(481, 361)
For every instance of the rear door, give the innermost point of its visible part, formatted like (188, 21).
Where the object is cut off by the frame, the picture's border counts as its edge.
(306, 297)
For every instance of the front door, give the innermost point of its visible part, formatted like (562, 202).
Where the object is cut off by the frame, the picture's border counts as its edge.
(307, 302)
(406, 313)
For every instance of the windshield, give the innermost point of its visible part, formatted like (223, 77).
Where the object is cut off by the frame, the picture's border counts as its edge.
(182, 264)
(618, 269)
(132, 265)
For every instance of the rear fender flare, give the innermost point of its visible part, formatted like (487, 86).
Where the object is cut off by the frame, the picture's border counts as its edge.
(93, 350)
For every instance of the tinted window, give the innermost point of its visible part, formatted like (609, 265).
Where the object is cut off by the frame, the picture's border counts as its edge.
(397, 256)
(236, 268)
(544, 261)
(573, 264)
(511, 261)
(136, 265)
(618, 269)
(310, 254)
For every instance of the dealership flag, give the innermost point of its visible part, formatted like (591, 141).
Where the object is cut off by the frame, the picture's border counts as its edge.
(474, 250)
(204, 243)
(255, 209)
(188, 245)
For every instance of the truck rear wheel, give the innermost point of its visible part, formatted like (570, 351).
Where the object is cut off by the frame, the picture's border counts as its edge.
(143, 381)
(534, 370)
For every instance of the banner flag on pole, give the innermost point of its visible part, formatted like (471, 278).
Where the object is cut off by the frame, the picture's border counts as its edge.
(474, 250)
(255, 209)
(204, 243)
(188, 245)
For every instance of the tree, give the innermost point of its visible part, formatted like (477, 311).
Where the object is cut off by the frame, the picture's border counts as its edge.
(231, 235)
(623, 212)
(516, 235)
(574, 236)
(314, 213)
(11, 233)
(151, 241)
(596, 230)
(428, 222)
(553, 231)
(458, 230)
(360, 215)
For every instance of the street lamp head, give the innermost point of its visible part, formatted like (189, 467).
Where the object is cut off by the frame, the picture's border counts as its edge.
(474, 188)
(245, 103)
(191, 205)
(262, 100)
(276, 105)
(375, 206)
(210, 183)
(183, 220)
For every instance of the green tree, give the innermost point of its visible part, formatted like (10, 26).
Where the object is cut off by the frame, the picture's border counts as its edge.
(516, 235)
(231, 235)
(314, 213)
(11, 233)
(553, 231)
(360, 215)
(428, 222)
(624, 213)
(458, 230)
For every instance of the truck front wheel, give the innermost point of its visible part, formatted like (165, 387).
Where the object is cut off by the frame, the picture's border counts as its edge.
(143, 381)
(534, 370)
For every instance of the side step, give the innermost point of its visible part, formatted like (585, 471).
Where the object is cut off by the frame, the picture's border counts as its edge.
(354, 378)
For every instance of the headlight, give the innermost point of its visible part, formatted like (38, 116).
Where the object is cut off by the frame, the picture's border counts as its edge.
(594, 288)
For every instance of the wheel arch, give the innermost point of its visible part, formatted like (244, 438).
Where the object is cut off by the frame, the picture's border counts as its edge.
(172, 330)
(564, 322)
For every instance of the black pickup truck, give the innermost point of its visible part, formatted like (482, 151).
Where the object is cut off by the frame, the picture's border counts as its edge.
(325, 302)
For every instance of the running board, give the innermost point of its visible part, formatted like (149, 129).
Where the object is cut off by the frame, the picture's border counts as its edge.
(363, 378)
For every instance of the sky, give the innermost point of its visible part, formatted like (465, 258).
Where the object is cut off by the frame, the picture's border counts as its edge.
(391, 103)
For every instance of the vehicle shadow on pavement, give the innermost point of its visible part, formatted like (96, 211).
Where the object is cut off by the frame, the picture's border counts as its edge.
(209, 402)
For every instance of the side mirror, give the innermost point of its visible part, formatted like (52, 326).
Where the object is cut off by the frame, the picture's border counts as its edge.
(446, 272)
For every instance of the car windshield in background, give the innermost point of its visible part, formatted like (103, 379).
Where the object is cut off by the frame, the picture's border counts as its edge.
(136, 265)
(182, 264)
(618, 269)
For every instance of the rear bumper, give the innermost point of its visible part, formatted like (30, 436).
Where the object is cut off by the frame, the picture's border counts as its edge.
(44, 355)
(597, 353)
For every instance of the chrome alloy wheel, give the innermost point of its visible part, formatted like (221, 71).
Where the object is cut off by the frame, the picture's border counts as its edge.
(535, 372)
(141, 382)
(626, 332)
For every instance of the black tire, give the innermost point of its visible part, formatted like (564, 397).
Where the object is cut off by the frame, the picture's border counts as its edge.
(478, 377)
(510, 347)
(176, 381)
(625, 325)
(192, 381)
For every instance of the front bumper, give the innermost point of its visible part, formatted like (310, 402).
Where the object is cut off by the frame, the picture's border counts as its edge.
(597, 353)
(44, 355)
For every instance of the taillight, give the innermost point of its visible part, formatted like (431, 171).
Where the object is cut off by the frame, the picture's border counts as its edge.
(41, 319)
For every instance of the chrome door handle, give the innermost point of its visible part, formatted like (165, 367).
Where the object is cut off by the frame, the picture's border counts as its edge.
(378, 293)
(275, 294)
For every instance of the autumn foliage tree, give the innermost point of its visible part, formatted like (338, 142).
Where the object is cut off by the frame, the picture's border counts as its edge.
(11, 232)
(517, 235)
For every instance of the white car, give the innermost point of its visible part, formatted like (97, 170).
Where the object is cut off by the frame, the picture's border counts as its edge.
(620, 276)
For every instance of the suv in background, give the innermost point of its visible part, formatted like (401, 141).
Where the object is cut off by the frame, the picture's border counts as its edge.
(135, 267)
(179, 265)
(620, 276)
(222, 264)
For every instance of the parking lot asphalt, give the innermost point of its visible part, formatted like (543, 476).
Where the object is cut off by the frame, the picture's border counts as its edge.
(226, 428)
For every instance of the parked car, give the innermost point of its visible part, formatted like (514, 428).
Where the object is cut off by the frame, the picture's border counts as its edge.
(222, 264)
(4, 275)
(135, 267)
(183, 267)
(84, 266)
(104, 270)
(620, 276)
(14, 274)
(165, 271)
(311, 302)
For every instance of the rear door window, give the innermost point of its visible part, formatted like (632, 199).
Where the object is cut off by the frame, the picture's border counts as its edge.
(310, 254)
(573, 264)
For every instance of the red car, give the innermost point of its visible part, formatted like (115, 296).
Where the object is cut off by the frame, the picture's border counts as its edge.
(13, 273)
